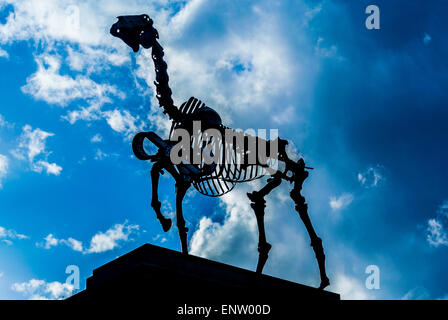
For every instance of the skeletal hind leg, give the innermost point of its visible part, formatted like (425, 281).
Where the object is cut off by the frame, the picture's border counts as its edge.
(156, 170)
(316, 242)
(258, 204)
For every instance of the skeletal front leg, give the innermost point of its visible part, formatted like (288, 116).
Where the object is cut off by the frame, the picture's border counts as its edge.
(156, 170)
(258, 204)
(181, 190)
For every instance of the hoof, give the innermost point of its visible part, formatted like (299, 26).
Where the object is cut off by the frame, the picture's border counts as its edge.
(166, 224)
(324, 283)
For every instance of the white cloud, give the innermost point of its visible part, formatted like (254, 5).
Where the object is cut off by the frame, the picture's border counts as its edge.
(186, 16)
(159, 238)
(110, 239)
(92, 112)
(371, 177)
(96, 138)
(285, 116)
(73, 244)
(49, 85)
(36, 289)
(217, 240)
(47, 21)
(122, 122)
(436, 232)
(341, 202)
(417, 293)
(91, 59)
(84, 23)
(325, 51)
(32, 144)
(436, 235)
(50, 168)
(3, 54)
(349, 288)
(100, 242)
(100, 155)
(7, 235)
(311, 13)
(4, 164)
(58, 290)
(50, 241)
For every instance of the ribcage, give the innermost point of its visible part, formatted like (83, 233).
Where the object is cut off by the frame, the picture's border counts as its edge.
(231, 167)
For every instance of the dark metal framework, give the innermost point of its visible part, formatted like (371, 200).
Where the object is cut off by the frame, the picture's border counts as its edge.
(219, 178)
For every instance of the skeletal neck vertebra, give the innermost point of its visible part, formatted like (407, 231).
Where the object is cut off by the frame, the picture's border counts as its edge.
(162, 88)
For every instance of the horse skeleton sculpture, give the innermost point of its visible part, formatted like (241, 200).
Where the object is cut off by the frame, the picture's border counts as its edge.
(211, 179)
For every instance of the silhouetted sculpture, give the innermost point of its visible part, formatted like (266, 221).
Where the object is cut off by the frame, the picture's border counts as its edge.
(213, 178)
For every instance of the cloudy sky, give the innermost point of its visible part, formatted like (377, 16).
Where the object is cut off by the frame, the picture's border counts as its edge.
(366, 108)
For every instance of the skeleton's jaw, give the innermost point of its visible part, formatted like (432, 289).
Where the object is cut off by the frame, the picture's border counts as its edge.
(128, 39)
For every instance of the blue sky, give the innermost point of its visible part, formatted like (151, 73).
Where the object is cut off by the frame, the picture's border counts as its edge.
(366, 108)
